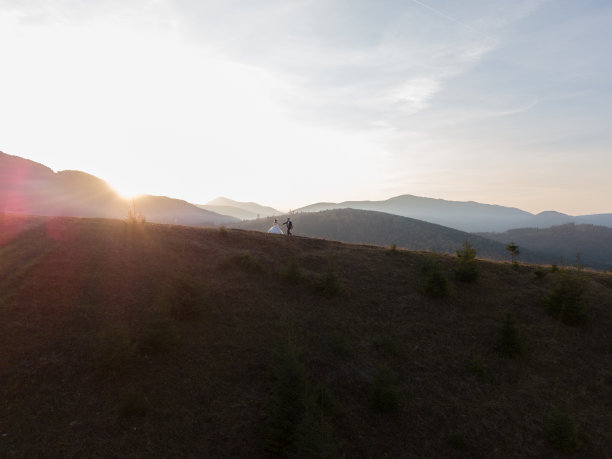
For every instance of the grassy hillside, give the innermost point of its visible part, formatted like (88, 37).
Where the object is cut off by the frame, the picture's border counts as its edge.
(379, 228)
(131, 340)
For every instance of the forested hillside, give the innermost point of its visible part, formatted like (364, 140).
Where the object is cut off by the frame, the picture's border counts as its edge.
(570, 244)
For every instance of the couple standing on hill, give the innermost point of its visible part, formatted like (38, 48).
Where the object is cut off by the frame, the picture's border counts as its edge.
(276, 229)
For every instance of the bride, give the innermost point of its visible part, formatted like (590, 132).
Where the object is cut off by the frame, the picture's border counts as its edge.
(275, 228)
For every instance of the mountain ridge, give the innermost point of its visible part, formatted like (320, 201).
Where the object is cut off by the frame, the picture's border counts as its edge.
(237, 209)
(29, 187)
(470, 216)
(62, 198)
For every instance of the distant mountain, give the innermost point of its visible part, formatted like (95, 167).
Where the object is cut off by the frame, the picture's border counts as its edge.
(595, 219)
(240, 210)
(545, 220)
(378, 228)
(592, 243)
(465, 216)
(28, 187)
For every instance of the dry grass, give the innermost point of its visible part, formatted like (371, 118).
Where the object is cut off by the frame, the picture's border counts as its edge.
(68, 284)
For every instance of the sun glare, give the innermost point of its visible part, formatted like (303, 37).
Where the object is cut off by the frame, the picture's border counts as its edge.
(126, 190)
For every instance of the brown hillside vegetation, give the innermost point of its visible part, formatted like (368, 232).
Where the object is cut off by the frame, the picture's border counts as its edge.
(122, 339)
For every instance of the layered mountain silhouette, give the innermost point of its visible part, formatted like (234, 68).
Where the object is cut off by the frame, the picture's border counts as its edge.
(465, 216)
(31, 188)
(379, 228)
(240, 210)
(408, 221)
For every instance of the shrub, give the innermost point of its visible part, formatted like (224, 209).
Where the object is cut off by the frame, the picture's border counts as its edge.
(341, 346)
(563, 432)
(478, 366)
(554, 268)
(297, 414)
(566, 300)
(185, 300)
(510, 342)
(435, 283)
(328, 282)
(134, 403)
(385, 395)
(114, 351)
(467, 268)
(459, 441)
(539, 273)
(314, 436)
(294, 273)
(223, 231)
(323, 399)
(287, 403)
(387, 347)
(245, 261)
(135, 218)
(160, 335)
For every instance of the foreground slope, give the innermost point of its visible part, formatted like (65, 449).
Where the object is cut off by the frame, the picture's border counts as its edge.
(126, 340)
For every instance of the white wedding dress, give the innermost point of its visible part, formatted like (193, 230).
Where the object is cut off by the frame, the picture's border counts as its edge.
(275, 229)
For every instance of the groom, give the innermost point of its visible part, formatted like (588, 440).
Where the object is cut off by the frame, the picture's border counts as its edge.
(289, 225)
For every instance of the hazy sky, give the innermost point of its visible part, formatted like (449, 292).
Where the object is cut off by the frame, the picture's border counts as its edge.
(291, 102)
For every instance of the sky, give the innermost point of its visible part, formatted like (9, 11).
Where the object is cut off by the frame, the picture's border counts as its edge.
(292, 102)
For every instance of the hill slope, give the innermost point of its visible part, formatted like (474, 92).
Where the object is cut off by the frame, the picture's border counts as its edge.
(32, 188)
(126, 340)
(370, 227)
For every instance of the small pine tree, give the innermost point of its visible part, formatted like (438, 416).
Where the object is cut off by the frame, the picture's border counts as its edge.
(385, 395)
(435, 283)
(566, 300)
(467, 269)
(563, 432)
(510, 342)
(314, 435)
(294, 273)
(287, 405)
(328, 282)
(514, 251)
